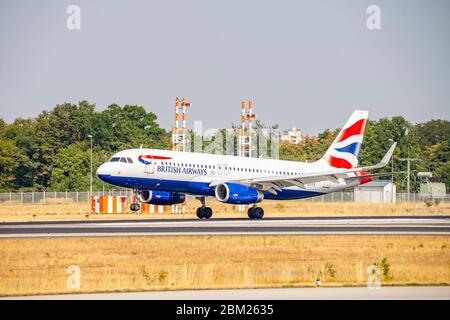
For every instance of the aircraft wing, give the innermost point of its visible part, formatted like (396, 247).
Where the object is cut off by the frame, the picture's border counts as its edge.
(381, 174)
(274, 184)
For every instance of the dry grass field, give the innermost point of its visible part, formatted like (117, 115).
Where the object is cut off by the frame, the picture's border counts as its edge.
(67, 210)
(38, 266)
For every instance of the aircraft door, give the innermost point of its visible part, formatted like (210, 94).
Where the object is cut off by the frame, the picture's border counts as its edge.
(150, 168)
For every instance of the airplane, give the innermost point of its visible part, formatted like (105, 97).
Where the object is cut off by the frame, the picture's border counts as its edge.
(164, 177)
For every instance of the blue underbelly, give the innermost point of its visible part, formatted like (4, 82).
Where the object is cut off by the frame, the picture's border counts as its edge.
(196, 188)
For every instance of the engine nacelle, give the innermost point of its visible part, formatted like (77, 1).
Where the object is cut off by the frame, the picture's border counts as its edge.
(161, 197)
(237, 193)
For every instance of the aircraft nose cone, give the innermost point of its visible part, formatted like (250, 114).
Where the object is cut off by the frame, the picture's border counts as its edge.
(103, 172)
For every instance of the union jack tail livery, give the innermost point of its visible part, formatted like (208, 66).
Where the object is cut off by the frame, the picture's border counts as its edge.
(344, 151)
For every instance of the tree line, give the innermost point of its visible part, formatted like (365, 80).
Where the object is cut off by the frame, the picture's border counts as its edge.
(52, 151)
(427, 142)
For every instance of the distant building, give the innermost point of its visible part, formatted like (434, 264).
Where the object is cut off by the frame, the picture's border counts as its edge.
(379, 191)
(293, 135)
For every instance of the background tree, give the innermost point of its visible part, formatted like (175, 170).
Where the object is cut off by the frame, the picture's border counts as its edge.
(52, 150)
(10, 161)
(35, 151)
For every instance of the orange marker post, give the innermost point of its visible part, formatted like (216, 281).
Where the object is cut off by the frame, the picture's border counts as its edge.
(114, 204)
(92, 204)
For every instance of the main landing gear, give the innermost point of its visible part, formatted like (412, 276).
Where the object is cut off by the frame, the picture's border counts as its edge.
(255, 212)
(135, 206)
(203, 212)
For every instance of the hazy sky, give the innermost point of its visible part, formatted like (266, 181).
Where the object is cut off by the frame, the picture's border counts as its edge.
(304, 63)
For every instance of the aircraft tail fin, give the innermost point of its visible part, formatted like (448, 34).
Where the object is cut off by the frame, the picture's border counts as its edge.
(344, 151)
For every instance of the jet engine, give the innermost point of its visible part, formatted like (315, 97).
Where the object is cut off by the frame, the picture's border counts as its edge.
(161, 197)
(237, 193)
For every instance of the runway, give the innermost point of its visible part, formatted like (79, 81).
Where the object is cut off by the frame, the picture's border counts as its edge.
(234, 226)
(341, 293)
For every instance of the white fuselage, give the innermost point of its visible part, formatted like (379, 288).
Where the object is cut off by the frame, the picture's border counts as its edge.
(192, 173)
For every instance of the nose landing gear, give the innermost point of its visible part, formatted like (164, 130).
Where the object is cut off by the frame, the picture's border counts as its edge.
(203, 212)
(135, 206)
(255, 212)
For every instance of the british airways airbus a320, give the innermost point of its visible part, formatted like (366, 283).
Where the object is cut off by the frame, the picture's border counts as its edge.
(165, 177)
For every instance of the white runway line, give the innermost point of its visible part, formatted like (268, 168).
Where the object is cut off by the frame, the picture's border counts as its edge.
(223, 233)
(382, 225)
(341, 293)
(247, 223)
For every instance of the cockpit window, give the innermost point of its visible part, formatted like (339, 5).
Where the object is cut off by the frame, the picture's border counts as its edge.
(123, 159)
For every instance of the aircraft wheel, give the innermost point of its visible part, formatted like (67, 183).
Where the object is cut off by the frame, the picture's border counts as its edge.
(135, 207)
(207, 212)
(204, 212)
(250, 213)
(258, 213)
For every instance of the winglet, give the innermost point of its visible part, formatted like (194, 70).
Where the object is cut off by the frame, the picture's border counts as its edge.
(383, 161)
(388, 155)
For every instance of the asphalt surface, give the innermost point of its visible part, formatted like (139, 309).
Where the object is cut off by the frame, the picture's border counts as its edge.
(353, 293)
(277, 226)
